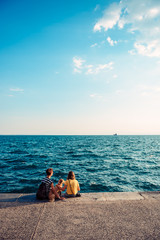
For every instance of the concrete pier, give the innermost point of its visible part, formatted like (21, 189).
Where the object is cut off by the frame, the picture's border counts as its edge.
(109, 216)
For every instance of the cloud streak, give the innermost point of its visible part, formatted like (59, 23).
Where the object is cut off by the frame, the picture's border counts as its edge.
(94, 45)
(80, 67)
(16, 90)
(99, 68)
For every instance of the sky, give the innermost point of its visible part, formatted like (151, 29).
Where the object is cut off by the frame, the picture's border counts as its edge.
(83, 67)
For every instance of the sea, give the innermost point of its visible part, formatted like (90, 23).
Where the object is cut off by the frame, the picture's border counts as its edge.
(100, 163)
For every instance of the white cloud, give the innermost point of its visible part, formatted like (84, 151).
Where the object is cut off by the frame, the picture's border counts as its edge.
(97, 97)
(16, 90)
(78, 64)
(94, 45)
(153, 12)
(90, 71)
(104, 66)
(79, 67)
(93, 95)
(76, 70)
(139, 17)
(89, 66)
(110, 18)
(111, 42)
(132, 52)
(150, 49)
(99, 68)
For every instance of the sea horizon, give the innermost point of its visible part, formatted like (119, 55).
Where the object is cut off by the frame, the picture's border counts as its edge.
(79, 134)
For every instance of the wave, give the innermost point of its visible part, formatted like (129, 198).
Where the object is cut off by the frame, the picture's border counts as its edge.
(18, 152)
(26, 167)
(101, 163)
(33, 181)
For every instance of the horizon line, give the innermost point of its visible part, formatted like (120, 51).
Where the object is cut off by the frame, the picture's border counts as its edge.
(80, 134)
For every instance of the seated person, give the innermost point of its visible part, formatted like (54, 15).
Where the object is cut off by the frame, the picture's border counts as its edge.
(59, 186)
(46, 189)
(72, 186)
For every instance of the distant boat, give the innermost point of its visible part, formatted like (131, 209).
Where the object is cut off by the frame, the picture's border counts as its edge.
(115, 134)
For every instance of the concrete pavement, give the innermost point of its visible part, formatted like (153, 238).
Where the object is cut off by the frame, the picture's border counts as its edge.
(112, 216)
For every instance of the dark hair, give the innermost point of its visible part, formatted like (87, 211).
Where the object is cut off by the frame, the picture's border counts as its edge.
(60, 181)
(49, 171)
(71, 175)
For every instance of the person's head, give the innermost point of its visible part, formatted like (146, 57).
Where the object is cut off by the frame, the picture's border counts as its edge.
(49, 171)
(71, 175)
(60, 181)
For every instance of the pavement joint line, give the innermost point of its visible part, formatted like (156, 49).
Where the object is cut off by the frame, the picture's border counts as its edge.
(94, 219)
(34, 233)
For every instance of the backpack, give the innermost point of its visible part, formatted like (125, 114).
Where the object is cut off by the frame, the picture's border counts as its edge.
(41, 193)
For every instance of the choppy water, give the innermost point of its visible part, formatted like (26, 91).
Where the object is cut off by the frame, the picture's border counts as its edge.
(101, 163)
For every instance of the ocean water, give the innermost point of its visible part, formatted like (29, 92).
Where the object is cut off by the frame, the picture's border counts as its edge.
(100, 163)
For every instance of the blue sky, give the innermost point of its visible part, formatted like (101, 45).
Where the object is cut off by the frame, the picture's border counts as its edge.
(80, 67)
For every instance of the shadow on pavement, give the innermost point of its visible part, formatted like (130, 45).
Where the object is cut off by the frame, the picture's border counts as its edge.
(14, 200)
